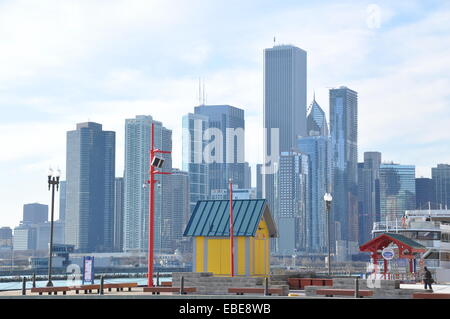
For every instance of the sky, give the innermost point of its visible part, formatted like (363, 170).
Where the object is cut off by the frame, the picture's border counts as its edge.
(63, 62)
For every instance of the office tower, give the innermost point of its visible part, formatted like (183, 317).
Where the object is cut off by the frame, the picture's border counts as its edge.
(179, 180)
(90, 172)
(369, 194)
(292, 202)
(35, 213)
(259, 181)
(118, 213)
(397, 191)
(6, 237)
(42, 231)
(62, 200)
(441, 181)
(318, 148)
(344, 139)
(425, 194)
(227, 161)
(137, 163)
(194, 127)
(247, 176)
(24, 238)
(284, 107)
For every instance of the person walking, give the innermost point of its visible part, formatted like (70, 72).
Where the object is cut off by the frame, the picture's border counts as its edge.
(428, 279)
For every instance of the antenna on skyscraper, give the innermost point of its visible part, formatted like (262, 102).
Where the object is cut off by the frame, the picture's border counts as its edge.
(203, 92)
(274, 40)
(199, 92)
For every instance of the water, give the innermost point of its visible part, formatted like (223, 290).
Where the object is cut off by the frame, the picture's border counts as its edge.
(59, 283)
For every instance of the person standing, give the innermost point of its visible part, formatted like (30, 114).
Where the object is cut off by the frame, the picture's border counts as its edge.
(428, 279)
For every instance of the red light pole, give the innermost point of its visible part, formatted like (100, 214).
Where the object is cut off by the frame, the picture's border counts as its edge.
(154, 162)
(231, 228)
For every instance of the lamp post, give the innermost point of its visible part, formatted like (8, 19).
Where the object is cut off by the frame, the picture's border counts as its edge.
(155, 163)
(53, 181)
(231, 228)
(328, 198)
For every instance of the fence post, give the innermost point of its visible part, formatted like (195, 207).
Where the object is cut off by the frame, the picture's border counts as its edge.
(266, 286)
(24, 286)
(157, 279)
(182, 286)
(357, 287)
(102, 281)
(34, 280)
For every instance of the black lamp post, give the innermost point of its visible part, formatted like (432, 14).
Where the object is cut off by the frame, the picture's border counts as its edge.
(328, 198)
(53, 180)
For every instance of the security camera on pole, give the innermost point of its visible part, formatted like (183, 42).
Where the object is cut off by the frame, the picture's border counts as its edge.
(53, 180)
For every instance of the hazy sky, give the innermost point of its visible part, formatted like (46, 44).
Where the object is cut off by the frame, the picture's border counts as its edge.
(64, 62)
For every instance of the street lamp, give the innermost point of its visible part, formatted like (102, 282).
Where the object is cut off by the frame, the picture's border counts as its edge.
(53, 180)
(328, 198)
(230, 181)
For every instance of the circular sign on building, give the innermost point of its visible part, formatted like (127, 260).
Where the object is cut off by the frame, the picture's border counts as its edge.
(388, 253)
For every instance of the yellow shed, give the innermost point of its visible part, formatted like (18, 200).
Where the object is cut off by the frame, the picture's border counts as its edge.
(253, 226)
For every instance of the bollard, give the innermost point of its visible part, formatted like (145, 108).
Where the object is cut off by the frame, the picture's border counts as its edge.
(102, 281)
(182, 286)
(266, 286)
(24, 286)
(34, 280)
(157, 279)
(357, 287)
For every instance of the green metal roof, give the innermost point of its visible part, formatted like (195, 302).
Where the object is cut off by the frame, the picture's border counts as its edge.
(211, 218)
(405, 240)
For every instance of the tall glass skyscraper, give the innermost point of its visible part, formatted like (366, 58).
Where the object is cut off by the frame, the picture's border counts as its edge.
(292, 203)
(118, 213)
(344, 140)
(318, 148)
(136, 190)
(284, 104)
(397, 191)
(194, 126)
(226, 118)
(90, 173)
(369, 194)
(441, 181)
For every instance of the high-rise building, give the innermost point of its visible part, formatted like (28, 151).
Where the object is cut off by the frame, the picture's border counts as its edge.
(247, 176)
(228, 161)
(90, 173)
(34, 213)
(6, 237)
(425, 194)
(369, 194)
(284, 107)
(441, 181)
(181, 213)
(136, 190)
(397, 191)
(292, 203)
(62, 200)
(118, 213)
(194, 127)
(344, 140)
(318, 148)
(259, 181)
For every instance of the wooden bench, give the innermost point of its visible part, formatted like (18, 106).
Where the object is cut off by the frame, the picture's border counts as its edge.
(86, 288)
(166, 284)
(301, 283)
(430, 295)
(241, 291)
(343, 292)
(120, 286)
(158, 290)
(50, 290)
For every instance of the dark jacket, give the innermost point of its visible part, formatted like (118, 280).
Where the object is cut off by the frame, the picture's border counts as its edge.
(428, 277)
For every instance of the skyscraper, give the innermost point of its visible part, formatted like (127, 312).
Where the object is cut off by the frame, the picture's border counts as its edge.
(397, 191)
(344, 140)
(369, 195)
(35, 213)
(136, 191)
(194, 127)
(318, 148)
(62, 200)
(227, 161)
(90, 171)
(259, 181)
(441, 181)
(292, 202)
(425, 194)
(284, 106)
(181, 213)
(118, 213)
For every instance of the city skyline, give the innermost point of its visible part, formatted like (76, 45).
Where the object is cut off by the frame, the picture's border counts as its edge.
(27, 116)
